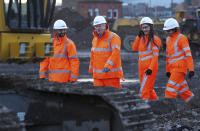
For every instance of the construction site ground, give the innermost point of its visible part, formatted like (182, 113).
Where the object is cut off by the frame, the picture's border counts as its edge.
(167, 114)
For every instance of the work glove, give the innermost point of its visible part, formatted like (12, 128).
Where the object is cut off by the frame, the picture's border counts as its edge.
(148, 72)
(141, 33)
(72, 82)
(105, 69)
(191, 74)
(168, 74)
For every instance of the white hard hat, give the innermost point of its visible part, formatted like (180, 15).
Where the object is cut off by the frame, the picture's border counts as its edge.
(99, 20)
(170, 23)
(146, 20)
(60, 24)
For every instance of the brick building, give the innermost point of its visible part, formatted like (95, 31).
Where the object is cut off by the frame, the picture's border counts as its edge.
(189, 4)
(111, 9)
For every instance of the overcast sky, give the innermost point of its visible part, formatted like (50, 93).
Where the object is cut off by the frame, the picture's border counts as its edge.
(165, 3)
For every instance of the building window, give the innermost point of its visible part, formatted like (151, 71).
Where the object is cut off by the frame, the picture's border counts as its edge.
(115, 14)
(90, 12)
(109, 13)
(96, 11)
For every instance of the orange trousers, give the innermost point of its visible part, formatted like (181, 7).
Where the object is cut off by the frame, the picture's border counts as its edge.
(113, 82)
(147, 91)
(177, 85)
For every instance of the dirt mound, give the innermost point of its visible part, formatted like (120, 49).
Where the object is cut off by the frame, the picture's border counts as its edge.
(80, 28)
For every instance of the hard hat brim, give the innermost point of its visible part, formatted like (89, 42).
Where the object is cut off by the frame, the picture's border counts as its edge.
(60, 28)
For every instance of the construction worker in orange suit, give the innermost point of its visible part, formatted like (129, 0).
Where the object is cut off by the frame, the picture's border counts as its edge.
(179, 59)
(147, 44)
(105, 61)
(63, 67)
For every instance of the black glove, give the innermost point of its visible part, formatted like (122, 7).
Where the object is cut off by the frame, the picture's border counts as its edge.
(148, 72)
(168, 74)
(191, 74)
(42, 78)
(141, 33)
(105, 70)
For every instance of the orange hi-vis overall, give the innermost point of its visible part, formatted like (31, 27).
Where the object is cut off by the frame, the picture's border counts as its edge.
(105, 53)
(148, 59)
(179, 58)
(64, 65)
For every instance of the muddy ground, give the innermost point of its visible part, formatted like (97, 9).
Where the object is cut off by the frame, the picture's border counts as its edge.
(167, 113)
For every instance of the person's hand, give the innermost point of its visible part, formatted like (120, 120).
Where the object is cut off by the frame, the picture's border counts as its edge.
(191, 74)
(72, 82)
(168, 74)
(105, 70)
(141, 33)
(148, 72)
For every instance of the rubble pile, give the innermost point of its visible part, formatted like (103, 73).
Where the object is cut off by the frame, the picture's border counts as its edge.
(80, 29)
(9, 120)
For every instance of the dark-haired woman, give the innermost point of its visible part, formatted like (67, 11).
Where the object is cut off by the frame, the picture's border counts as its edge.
(147, 44)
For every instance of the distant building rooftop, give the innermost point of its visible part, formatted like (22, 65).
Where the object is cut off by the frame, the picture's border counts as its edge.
(100, 1)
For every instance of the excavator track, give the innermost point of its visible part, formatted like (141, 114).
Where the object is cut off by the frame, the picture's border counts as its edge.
(134, 113)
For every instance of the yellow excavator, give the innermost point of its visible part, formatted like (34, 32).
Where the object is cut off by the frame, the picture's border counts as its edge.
(24, 28)
(128, 28)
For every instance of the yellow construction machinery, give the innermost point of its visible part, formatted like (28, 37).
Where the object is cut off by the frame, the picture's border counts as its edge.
(24, 29)
(190, 25)
(128, 28)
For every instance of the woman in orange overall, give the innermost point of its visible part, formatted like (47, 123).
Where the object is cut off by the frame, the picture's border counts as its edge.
(147, 44)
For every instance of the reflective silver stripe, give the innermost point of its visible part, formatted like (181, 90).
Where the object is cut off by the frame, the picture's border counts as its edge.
(184, 82)
(112, 70)
(144, 52)
(176, 54)
(182, 57)
(167, 39)
(176, 44)
(73, 76)
(155, 53)
(188, 54)
(115, 46)
(175, 48)
(60, 71)
(90, 66)
(184, 89)
(155, 48)
(146, 57)
(143, 83)
(171, 89)
(42, 73)
(188, 99)
(101, 49)
(110, 62)
(186, 48)
(173, 83)
(65, 47)
(109, 46)
(75, 56)
(60, 56)
(109, 39)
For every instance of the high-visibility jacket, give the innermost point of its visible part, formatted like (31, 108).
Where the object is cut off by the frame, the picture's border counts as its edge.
(148, 55)
(64, 65)
(178, 53)
(105, 53)
(148, 59)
